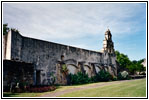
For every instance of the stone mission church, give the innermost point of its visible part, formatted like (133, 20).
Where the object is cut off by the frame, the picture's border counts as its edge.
(36, 61)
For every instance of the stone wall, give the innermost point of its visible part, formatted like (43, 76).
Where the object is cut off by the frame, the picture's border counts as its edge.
(48, 56)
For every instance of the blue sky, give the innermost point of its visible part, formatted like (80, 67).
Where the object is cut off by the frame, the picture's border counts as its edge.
(82, 24)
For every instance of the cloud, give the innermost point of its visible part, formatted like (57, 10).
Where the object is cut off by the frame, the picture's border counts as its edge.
(54, 21)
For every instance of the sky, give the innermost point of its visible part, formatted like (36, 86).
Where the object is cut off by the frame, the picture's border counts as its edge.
(82, 24)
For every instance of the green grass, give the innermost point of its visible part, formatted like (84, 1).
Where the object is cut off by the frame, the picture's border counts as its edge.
(59, 88)
(135, 88)
(8, 94)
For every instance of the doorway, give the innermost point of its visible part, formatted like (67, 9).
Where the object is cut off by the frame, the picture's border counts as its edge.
(37, 77)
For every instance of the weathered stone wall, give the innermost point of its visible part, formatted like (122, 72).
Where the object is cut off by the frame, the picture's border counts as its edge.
(47, 55)
(16, 46)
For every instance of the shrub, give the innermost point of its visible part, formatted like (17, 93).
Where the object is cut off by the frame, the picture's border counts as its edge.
(64, 68)
(103, 76)
(79, 78)
(123, 75)
(114, 78)
(93, 79)
(82, 78)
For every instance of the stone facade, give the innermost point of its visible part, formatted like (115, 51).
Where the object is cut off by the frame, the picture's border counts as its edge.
(48, 57)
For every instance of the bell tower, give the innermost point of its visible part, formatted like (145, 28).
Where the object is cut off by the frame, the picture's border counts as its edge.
(108, 45)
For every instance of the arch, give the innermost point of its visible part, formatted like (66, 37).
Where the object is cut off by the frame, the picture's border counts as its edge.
(110, 69)
(106, 69)
(97, 68)
(72, 69)
(71, 62)
(87, 70)
(87, 64)
(114, 72)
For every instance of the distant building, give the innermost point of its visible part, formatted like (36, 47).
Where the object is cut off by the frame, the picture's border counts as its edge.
(144, 62)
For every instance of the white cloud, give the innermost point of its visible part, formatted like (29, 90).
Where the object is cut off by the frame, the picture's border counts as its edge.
(53, 21)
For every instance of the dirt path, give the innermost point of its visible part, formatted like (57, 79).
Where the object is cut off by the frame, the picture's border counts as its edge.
(76, 88)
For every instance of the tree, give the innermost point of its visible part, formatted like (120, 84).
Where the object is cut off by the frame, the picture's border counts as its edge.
(123, 60)
(141, 61)
(5, 29)
(140, 67)
(126, 64)
(132, 67)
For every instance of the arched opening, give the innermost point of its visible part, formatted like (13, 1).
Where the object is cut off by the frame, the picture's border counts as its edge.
(106, 69)
(72, 69)
(87, 70)
(109, 69)
(97, 68)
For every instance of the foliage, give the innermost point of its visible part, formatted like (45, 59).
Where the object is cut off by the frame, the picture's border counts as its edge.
(126, 64)
(136, 66)
(79, 78)
(82, 78)
(5, 29)
(123, 75)
(140, 67)
(123, 60)
(103, 76)
(64, 68)
(141, 61)
(114, 78)
(132, 68)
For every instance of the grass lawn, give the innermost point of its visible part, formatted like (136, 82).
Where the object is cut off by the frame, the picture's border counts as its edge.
(135, 88)
(8, 94)
(59, 88)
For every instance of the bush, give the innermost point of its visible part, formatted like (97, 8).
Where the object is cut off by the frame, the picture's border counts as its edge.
(82, 78)
(64, 68)
(79, 78)
(123, 75)
(103, 76)
(114, 78)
